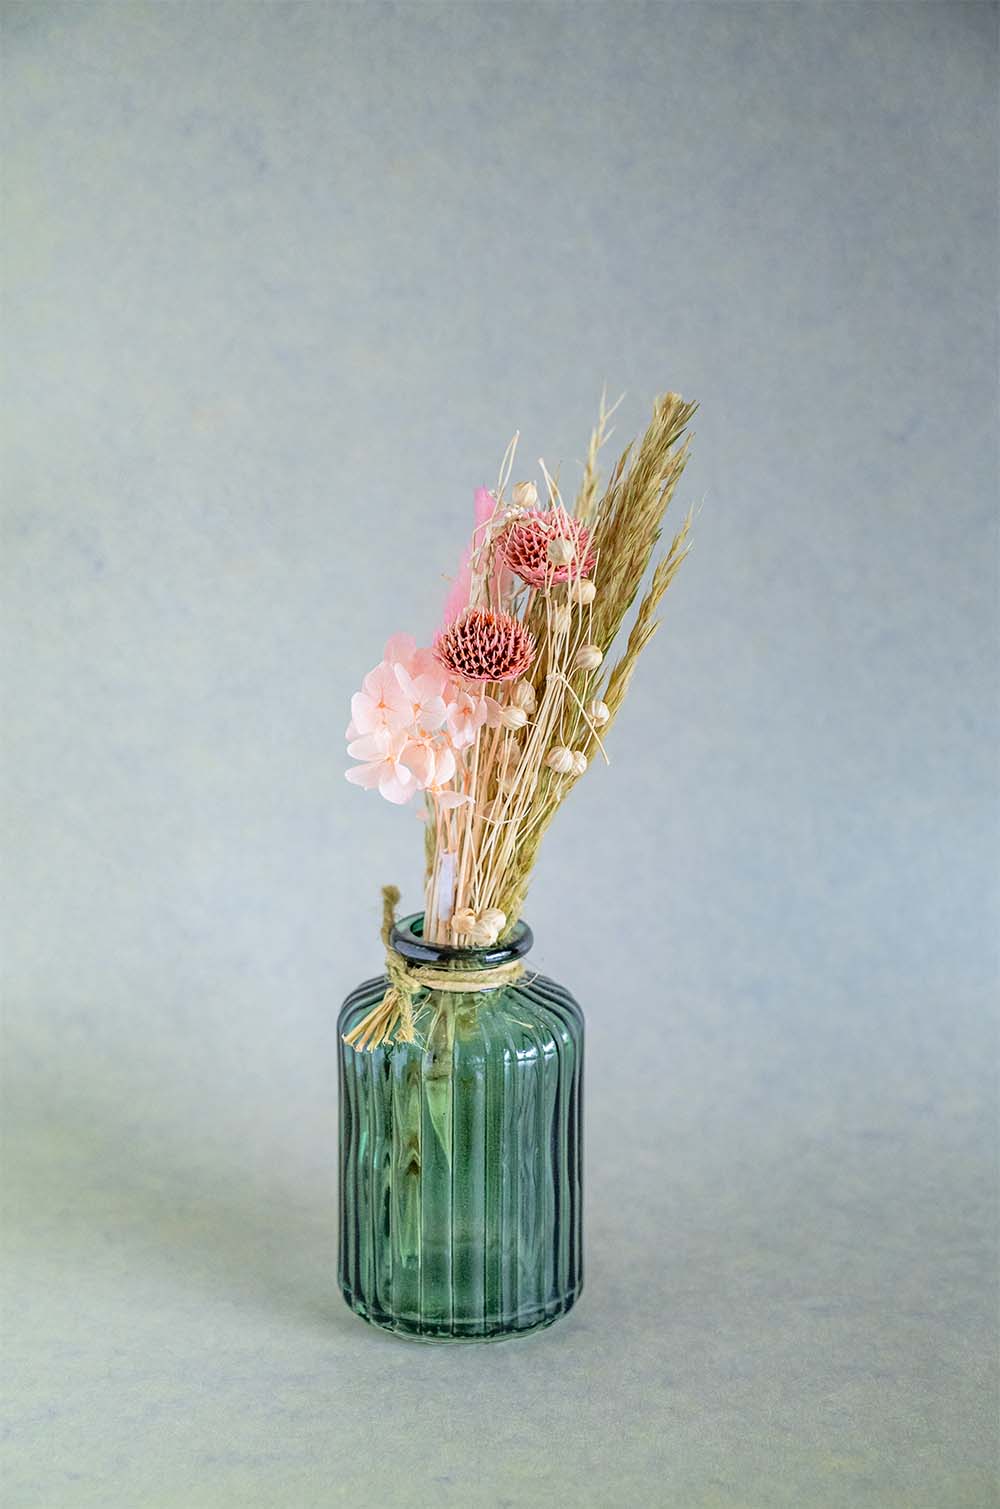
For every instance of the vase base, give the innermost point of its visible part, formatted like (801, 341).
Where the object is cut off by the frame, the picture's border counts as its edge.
(412, 1329)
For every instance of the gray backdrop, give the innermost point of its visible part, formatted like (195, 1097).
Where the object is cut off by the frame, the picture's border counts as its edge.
(281, 281)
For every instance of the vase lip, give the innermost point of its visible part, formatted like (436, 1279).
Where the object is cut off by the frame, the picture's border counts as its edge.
(408, 940)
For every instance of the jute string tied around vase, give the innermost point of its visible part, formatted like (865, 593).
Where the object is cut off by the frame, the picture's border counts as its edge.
(392, 1018)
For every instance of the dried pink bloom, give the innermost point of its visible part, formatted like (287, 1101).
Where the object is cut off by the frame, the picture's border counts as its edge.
(431, 764)
(381, 703)
(467, 714)
(485, 646)
(447, 796)
(410, 721)
(424, 697)
(402, 650)
(382, 753)
(407, 723)
(524, 546)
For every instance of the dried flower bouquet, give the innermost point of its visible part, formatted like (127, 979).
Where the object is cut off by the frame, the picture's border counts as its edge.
(495, 722)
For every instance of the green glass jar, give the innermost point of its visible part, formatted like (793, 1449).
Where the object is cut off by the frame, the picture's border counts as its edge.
(461, 1153)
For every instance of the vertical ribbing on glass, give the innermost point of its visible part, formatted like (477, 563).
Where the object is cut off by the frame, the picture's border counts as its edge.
(461, 1164)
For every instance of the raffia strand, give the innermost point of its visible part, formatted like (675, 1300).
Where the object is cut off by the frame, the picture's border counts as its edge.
(392, 1018)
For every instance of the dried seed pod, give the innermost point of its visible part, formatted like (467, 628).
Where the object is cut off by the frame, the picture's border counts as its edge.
(494, 919)
(463, 921)
(588, 657)
(560, 759)
(525, 495)
(523, 546)
(582, 591)
(523, 695)
(562, 619)
(513, 717)
(560, 551)
(579, 762)
(598, 712)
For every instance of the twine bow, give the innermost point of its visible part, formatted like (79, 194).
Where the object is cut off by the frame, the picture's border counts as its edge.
(392, 1018)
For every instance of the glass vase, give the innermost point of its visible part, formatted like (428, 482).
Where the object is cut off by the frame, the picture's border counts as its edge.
(461, 1153)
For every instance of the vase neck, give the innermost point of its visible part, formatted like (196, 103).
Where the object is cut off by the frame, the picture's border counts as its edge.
(408, 941)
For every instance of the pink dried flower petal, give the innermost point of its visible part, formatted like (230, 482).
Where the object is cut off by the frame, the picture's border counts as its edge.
(450, 798)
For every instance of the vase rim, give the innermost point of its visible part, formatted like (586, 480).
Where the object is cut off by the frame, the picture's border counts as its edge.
(408, 940)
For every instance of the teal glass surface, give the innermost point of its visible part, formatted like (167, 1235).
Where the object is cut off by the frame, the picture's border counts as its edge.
(461, 1154)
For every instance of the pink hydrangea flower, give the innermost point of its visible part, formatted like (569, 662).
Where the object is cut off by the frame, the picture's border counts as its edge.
(408, 722)
(381, 702)
(466, 715)
(447, 796)
(383, 765)
(431, 764)
(424, 696)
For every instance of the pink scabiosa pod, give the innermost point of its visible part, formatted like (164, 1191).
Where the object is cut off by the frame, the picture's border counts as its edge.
(546, 546)
(485, 646)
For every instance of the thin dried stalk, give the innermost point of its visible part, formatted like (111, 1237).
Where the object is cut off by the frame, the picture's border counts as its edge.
(587, 497)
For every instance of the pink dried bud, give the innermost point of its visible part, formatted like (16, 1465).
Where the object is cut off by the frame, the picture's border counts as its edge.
(525, 546)
(485, 646)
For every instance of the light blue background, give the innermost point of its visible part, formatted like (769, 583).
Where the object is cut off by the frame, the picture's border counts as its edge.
(280, 282)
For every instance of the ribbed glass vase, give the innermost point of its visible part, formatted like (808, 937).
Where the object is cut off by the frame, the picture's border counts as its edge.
(460, 1154)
